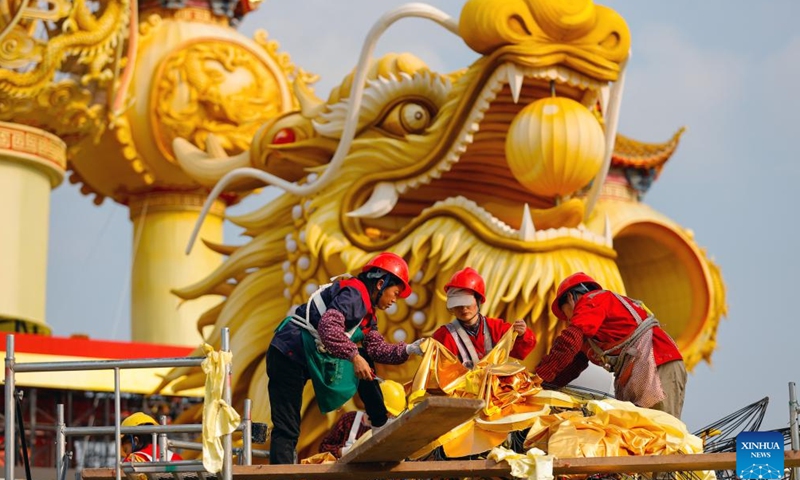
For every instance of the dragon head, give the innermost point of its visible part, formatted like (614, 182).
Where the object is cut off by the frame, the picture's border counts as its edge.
(497, 166)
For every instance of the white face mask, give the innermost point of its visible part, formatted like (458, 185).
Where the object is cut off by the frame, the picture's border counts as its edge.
(460, 300)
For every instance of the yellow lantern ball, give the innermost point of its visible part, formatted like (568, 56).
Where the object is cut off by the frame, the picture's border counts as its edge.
(555, 146)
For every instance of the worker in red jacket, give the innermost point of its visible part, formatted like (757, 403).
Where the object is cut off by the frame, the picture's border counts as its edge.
(140, 448)
(471, 335)
(621, 335)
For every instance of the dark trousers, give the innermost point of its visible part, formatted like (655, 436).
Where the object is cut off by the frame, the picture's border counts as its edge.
(372, 396)
(287, 379)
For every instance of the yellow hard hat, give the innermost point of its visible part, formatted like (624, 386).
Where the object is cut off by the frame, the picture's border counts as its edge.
(138, 418)
(394, 397)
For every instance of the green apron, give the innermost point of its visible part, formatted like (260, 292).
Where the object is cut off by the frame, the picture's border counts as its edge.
(334, 379)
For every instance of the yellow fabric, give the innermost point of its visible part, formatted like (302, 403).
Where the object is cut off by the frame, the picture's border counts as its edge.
(533, 465)
(515, 401)
(324, 457)
(621, 429)
(507, 388)
(616, 429)
(539, 433)
(554, 398)
(513, 421)
(219, 418)
(504, 384)
(471, 439)
(439, 370)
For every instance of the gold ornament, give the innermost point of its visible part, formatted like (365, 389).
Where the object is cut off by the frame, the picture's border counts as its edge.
(219, 88)
(555, 147)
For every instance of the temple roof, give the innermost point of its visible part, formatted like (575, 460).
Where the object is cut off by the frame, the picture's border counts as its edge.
(633, 153)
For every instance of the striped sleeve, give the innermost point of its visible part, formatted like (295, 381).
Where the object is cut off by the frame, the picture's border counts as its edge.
(563, 353)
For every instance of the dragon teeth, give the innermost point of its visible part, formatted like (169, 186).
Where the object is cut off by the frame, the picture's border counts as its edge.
(514, 76)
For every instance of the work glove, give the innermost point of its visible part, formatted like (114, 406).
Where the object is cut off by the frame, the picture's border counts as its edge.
(414, 348)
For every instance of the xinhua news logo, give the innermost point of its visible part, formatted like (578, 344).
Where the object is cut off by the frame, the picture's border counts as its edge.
(759, 455)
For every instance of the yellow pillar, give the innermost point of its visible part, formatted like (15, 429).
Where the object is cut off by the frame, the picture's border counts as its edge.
(162, 224)
(32, 162)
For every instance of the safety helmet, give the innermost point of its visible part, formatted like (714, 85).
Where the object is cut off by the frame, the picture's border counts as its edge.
(138, 418)
(394, 397)
(393, 264)
(471, 280)
(568, 284)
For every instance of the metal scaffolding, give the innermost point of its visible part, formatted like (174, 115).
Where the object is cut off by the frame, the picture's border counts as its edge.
(159, 432)
(794, 411)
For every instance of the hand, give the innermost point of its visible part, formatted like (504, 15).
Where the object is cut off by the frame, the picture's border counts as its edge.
(362, 369)
(414, 348)
(520, 327)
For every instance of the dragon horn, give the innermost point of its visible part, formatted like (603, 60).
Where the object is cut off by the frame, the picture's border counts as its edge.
(310, 104)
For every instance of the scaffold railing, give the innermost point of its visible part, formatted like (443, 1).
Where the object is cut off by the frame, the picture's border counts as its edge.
(159, 432)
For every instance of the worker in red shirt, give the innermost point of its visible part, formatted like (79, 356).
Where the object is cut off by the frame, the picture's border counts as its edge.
(471, 335)
(621, 335)
(140, 448)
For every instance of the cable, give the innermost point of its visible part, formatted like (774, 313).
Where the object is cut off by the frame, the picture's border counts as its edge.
(21, 425)
(137, 237)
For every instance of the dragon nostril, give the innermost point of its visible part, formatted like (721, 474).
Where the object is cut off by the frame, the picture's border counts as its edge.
(517, 24)
(611, 41)
(284, 136)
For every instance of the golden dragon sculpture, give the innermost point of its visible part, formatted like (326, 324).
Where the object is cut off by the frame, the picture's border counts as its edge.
(505, 166)
(54, 57)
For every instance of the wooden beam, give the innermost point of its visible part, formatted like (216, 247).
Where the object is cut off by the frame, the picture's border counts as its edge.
(657, 463)
(478, 468)
(408, 433)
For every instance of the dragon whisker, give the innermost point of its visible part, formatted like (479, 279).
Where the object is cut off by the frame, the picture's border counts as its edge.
(420, 10)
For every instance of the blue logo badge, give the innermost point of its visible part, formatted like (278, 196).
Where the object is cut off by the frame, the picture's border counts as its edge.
(759, 455)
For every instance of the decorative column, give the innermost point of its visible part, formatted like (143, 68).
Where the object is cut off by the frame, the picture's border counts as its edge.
(162, 224)
(32, 163)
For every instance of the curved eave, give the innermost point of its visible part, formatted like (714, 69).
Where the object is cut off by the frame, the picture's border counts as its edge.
(631, 153)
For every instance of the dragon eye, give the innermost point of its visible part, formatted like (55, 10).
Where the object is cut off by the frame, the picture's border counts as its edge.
(283, 136)
(407, 117)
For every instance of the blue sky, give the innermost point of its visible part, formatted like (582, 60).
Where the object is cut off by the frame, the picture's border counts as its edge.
(728, 70)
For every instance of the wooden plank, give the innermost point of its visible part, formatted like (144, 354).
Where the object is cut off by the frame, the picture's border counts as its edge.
(478, 468)
(657, 463)
(426, 422)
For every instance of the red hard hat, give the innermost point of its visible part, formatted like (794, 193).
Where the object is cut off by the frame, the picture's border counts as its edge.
(470, 279)
(568, 284)
(393, 264)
